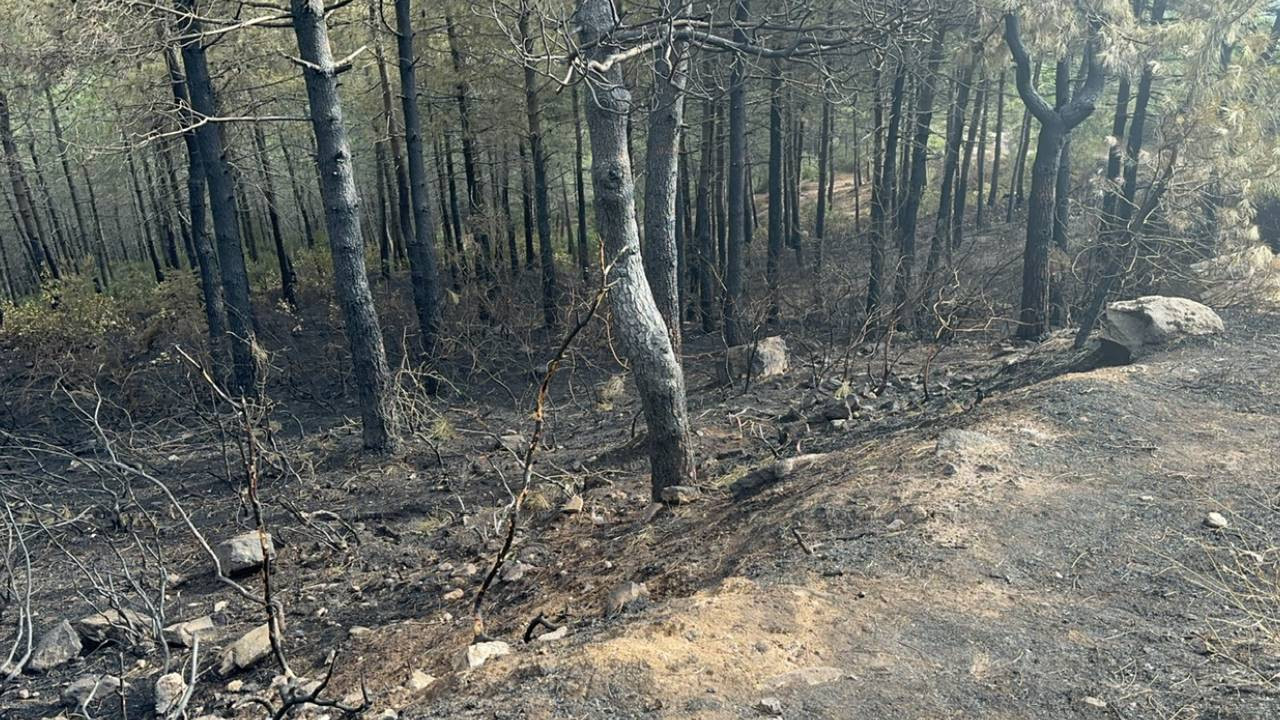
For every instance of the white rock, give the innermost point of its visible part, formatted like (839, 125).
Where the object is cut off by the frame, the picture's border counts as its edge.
(183, 634)
(766, 358)
(168, 693)
(1133, 328)
(623, 596)
(243, 552)
(480, 653)
(1216, 520)
(557, 634)
(572, 505)
(770, 706)
(454, 594)
(249, 649)
(58, 645)
(420, 681)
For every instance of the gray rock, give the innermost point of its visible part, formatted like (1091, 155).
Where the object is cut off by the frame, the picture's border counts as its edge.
(572, 506)
(419, 681)
(183, 634)
(245, 652)
(514, 572)
(1134, 328)
(89, 688)
(763, 359)
(681, 494)
(513, 442)
(57, 646)
(243, 552)
(120, 626)
(168, 693)
(478, 654)
(623, 596)
(1216, 520)
(770, 706)
(558, 634)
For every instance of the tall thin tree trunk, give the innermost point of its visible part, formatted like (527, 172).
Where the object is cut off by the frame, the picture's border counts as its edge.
(966, 161)
(639, 326)
(883, 200)
(999, 142)
(824, 172)
(288, 278)
(735, 261)
(777, 199)
(476, 216)
(222, 204)
(703, 232)
(533, 114)
(342, 218)
(31, 227)
(579, 183)
(401, 210)
(666, 117)
(421, 245)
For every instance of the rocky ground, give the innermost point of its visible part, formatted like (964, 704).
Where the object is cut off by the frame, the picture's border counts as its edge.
(1023, 540)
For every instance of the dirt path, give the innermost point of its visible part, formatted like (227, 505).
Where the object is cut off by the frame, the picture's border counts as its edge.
(1040, 562)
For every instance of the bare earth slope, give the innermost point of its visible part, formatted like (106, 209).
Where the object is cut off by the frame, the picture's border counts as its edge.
(1048, 561)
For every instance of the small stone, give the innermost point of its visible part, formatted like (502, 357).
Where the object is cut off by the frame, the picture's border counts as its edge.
(220, 606)
(480, 653)
(894, 525)
(358, 631)
(514, 572)
(558, 634)
(249, 649)
(57, 646)
(89, 688)
(681, 494)
(572, 506)
(168, 693)
(454, 594)
(243, 552)
(512, 442)
(115, 625)
(1092, 701)
(388, 714)
(420, 681)
(235, 686)
(183, 634)
(770, 706)
(623, 596)
(1216, 520)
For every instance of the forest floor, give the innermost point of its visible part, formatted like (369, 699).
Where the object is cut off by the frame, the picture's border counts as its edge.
(1026, 539)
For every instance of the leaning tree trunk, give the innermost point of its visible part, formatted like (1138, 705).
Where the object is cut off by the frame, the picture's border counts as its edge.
(423, 271)
(640, 329)
(661, 255)
(40, 255)
(222, 204)
(342, 219)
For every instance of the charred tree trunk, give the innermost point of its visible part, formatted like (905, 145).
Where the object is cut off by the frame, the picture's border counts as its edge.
(1054, 127)
(1017, 181)
(962, 184)
(342, 218)
(639, 326)
(703, 232)
(579, 183)
(951, 165)
(777, 202)
(288, 278)
(222, 204)
(909, 209)
(994, 188)
(40, 255)
(401, 210)
(824, 173)
(476, 215)
(735, 270)
(666, 117)
(883, 199)
(533, 113)
(526, 207)
(421, 244)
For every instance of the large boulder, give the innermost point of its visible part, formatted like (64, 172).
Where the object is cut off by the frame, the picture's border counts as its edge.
(762, 359)
(1133, 328)
(1246, 276)
(57, 646)
(243, 552)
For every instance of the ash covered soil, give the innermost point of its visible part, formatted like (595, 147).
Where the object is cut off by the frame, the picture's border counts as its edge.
(1024, 541)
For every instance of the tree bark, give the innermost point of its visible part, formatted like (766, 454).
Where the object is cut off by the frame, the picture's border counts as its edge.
(476, 215)
(579, 183)
(994, 188)
(1055, 124)
(533, 114)
(222, 204)
(882, 200)
(342, 219)
(735, 265)
(640, 330)
(31, 227)
(666, 118)
(421, 245)
(288, 278)
(703, 232)
(777, 201)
